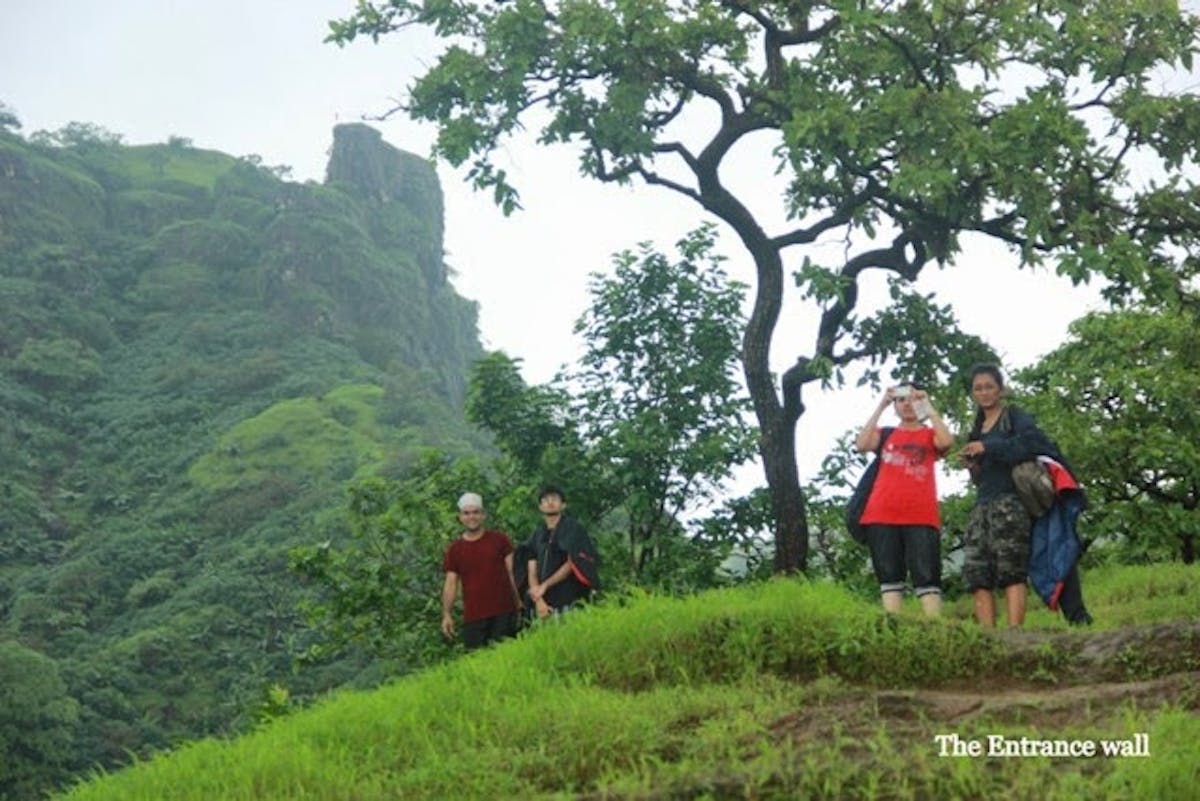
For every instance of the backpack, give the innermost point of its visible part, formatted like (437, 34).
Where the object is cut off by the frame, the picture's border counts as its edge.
(1034, 486)
(858, 499)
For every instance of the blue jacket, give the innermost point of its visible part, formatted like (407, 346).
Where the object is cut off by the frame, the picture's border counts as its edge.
(1055, 546)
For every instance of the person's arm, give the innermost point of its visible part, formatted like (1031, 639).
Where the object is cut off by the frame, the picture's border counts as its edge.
(512, 580)
(942, 437)
(868, 438)
(449, 594)
(555, 577)
(536, 590)
(535, 587)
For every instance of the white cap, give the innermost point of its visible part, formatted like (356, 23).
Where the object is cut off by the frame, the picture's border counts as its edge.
(468, 500)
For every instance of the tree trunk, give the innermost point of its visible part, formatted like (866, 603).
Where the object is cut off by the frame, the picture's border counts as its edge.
(776, 420)
(787, 501)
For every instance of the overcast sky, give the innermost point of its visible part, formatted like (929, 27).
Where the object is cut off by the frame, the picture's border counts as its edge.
(253, 76)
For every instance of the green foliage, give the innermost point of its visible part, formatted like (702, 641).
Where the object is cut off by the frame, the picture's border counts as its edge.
(8, 118)
(1172, 773)
(178, 415)
(48, 199)
(334, 437)
(175, 287)
(57, 364)
(217, 244)
(658, 396)
(1120, 397)
(37, 723)
(779, 690)
(379, 586)
(525, 421)
(82, 136)
(643, 433)
(898, 129)
(648, 426)
(919, 340)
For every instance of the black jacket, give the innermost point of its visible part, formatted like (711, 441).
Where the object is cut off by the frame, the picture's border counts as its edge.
(568, 542)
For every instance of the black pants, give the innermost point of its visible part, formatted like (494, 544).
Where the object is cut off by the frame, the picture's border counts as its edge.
(900, 550)
(479, 633)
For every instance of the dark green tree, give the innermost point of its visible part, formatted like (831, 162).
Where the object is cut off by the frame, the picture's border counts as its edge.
(897, 127)
(84, 136)
(658, 397)
(8, 118)
(538, 431)
(525, 420)
(1122, 399)
(646, 429)
(38, 720)
(375, 590)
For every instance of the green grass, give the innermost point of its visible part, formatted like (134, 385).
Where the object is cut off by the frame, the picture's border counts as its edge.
(1116, 595)
(780, 690)
(301, 436)
(149, 164)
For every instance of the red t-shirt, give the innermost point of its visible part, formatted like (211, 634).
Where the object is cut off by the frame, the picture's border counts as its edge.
(486, 590)
(905, 491)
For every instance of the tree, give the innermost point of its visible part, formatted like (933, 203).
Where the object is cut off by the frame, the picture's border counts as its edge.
(375, 589)
(8, 117)
(652, 421)
(899, 128)
(38, 720)
(1122, 399)
(82, 136)
(659, 399)
(539, 436)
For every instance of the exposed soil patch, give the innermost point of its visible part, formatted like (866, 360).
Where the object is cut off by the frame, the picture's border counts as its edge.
(1132, 652)
(1057, 681)
(1051, 685)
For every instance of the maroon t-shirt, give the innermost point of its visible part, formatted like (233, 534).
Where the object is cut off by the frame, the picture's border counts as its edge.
(480, 566)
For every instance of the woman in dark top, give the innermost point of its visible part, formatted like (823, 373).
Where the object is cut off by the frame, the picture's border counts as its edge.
(996, 549)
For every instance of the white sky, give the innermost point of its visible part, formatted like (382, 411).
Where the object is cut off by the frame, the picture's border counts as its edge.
(253, 76)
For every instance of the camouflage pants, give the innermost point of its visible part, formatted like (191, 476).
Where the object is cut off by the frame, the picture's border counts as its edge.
(996, 547)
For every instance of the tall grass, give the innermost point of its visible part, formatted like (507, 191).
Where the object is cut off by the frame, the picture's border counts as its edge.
(767, 691)
(1116, 595)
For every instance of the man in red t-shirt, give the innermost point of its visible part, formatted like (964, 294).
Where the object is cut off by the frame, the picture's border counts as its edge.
(901, 517)
(481, 561)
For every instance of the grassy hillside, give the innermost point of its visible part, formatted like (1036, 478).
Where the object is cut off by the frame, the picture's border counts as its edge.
(776, 691)
(196, 358)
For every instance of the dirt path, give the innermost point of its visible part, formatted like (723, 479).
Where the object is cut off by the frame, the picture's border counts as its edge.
(1057, 680)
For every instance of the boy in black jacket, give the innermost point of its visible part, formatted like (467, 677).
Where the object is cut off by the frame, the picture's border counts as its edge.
(564, 567)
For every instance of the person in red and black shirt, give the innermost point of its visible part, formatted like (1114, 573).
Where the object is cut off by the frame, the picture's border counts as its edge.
(901, 517)
(481, 561)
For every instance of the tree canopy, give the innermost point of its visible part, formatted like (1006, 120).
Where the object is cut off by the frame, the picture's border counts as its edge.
(898, 129)
(38, 720)
(659, 398)
(1122, 396)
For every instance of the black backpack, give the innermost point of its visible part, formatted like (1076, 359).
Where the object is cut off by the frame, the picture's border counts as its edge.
(858, 499)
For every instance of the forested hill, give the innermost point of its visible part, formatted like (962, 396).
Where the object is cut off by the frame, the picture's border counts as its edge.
(196, 358)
